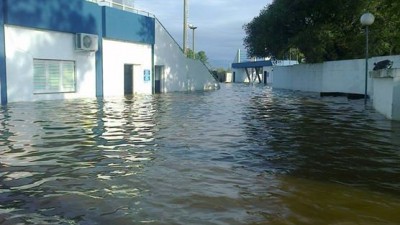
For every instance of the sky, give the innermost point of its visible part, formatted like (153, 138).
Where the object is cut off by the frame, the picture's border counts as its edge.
(220, 24)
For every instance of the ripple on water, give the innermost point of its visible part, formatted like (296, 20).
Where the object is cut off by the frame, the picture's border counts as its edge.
(242, 155)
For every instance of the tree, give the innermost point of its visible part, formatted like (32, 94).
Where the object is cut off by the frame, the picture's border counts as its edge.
(323, 30)
(201, 55)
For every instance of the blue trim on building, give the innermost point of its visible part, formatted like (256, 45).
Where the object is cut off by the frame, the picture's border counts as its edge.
(3, 75)
(255, 64)
(99, 70)
(70, 16)
(127, 26)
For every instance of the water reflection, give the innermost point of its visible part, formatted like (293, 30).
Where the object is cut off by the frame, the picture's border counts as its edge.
(69, 158)
(330, 140)
(240, 155)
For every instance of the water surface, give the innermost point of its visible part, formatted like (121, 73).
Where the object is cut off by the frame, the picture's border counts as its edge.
(240, 155)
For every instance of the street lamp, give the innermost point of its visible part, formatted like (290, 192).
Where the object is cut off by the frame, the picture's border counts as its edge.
(185, 15)
(193, 28)
(366, 20)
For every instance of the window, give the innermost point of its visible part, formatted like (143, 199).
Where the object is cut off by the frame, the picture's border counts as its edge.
(53, 76)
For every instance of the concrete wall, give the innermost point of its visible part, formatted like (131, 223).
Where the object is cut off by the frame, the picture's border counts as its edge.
(23, 45)
(386, 92)
(347, 76)
(383, 96)
(180, 73)
(304, 77)
(116, 55)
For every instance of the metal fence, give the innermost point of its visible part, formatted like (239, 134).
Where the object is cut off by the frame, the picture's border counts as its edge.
(126, 5)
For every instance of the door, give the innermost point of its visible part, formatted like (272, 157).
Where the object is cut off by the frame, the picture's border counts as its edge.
(265, 77)
(157, 78)
(128, 79)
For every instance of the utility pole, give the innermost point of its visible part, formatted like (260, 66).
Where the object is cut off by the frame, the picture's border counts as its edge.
(185, 15)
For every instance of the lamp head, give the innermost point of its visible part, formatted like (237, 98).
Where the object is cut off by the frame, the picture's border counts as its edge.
(191, 26)
(367, 19)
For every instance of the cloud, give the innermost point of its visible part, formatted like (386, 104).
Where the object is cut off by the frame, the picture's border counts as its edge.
(220, 23)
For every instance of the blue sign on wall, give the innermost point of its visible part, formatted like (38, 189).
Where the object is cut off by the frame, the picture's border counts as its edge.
(146, 76)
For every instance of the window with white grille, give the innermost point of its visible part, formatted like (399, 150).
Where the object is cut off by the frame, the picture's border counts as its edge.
(53, 76)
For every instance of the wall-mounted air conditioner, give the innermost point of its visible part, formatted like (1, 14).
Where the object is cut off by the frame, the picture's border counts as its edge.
(86, 42)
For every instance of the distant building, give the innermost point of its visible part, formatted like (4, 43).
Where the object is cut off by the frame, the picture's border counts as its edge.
(255, 70)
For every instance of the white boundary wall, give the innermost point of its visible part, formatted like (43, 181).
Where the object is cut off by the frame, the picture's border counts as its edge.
(115, 55)
(347, 76)
(310, 80)
(23, 45)
(386, 88)
(180, 73)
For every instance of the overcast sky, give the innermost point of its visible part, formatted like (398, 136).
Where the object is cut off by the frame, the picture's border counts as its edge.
(219, 33)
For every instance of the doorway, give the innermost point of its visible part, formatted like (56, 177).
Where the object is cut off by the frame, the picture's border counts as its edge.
(128, 79)
(266, 74)
(158, 75)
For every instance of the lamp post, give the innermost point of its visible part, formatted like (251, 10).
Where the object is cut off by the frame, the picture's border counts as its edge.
(193, 28)
(366, 20)
(185, 15)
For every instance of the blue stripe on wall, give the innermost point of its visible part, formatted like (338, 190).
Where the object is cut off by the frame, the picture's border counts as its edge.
(127, 26)
(72, 16)
(3, 76)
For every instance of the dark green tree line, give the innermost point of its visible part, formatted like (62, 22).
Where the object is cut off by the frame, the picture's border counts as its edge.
(323, 30)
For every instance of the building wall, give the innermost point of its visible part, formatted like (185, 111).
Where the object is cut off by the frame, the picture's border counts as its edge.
(240, 75)
(199, 77)
(23, 45)
(69, 16)
(65, 17)
(116, 55)
(180, 73)
(3, 77)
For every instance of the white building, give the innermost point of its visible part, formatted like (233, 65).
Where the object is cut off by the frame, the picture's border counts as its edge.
(79, 49)
(259, 70)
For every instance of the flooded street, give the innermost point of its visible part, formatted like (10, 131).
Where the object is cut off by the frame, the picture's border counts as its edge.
(241, 155)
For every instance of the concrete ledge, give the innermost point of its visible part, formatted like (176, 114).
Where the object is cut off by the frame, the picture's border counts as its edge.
(385, 73)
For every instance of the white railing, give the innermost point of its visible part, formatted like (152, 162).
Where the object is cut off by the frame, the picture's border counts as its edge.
(126, 5)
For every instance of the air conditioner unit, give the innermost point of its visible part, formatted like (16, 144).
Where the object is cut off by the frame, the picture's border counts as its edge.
(86, 42)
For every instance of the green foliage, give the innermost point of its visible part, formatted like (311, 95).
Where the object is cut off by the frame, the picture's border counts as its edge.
(323, 30)
(220, 74)
(201, 55)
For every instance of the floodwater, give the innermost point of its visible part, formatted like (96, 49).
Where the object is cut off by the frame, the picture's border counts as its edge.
(241, 155)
